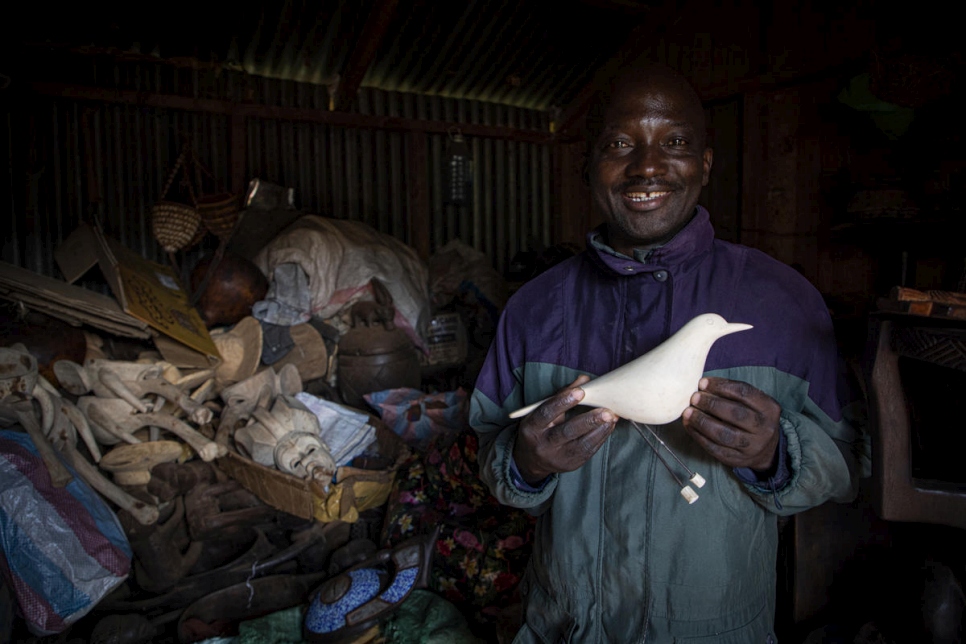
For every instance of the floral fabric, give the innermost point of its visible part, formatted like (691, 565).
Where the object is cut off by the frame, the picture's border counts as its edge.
(483, 547)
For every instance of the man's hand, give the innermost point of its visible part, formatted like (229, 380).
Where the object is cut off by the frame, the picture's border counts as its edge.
(548, 443)
(735, 423)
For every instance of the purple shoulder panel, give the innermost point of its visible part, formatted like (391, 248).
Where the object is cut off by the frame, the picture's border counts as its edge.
(593, 313)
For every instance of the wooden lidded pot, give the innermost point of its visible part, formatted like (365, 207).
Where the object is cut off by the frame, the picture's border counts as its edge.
(373, 358)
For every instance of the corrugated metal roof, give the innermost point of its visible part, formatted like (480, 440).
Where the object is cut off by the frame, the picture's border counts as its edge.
(528, 54)
(533, 54)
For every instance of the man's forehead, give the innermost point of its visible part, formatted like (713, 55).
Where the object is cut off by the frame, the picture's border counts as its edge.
(654, 97)
(649, 91)
(654, 106)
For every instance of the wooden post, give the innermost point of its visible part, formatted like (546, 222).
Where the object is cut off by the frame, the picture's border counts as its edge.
(573, 204)
(419, 233)
(239, 152)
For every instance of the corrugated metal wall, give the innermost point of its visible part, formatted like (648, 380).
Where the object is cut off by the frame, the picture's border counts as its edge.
(69, 159)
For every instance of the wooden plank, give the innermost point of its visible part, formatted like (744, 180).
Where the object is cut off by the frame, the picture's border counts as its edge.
(933, 304)
(896, 494)
(373, 32)
(20, 280)
(419, 229)
(296, 114)
(131, 97)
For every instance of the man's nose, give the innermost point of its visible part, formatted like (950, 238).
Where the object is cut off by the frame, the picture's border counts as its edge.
(647, 161)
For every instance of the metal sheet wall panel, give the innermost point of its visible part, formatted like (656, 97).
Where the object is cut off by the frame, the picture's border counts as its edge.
(69, 160)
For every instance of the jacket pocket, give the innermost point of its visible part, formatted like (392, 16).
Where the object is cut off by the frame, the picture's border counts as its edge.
(756, 631)
(544, 621)
(741, 636)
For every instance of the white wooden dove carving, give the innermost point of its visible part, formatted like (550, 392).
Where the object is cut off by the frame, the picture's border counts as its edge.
(656, 387)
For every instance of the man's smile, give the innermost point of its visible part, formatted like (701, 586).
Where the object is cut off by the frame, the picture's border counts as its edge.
(646, 196)
(645, 199)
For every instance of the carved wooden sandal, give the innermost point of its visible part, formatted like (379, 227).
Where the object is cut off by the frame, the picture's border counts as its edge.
(347, 605)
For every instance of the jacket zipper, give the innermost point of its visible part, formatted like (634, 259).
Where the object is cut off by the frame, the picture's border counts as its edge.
(647, 554)
(669, 284)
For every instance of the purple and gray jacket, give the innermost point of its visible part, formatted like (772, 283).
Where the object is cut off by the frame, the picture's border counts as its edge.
(618, 555)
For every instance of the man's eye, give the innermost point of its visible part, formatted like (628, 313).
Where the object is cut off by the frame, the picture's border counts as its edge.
(677, 141)
(616, 145)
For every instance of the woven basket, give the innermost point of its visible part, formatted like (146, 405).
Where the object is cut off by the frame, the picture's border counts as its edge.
(910, 80)
(219, 213)
(174, 225)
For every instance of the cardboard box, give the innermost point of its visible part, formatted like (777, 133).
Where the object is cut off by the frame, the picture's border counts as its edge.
(354, 490)
(146, 290)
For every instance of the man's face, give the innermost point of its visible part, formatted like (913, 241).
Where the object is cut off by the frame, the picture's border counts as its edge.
(648, 164)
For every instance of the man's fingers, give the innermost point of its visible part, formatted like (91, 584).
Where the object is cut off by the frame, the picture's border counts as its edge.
(706, 428)
(579, 380)
(551, 412)
(728, 410)
(584, 444)
(736, 390)
(725, 454)
(592, 440)
(579, 427)
(752, 445)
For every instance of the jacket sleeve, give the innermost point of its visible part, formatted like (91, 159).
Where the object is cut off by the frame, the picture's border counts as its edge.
(794, 358)
(826, 455)
(498, 392)
(826, 462)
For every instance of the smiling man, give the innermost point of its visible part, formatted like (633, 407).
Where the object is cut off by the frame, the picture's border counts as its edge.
(618, 555)
(650, 159)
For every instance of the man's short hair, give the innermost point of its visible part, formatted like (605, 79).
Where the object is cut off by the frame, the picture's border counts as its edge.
(634, 75)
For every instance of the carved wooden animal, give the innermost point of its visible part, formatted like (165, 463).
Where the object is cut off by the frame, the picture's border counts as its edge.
(656, 387)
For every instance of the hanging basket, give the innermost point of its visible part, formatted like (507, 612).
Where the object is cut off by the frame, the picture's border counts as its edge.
(174, 225)
(219, 213)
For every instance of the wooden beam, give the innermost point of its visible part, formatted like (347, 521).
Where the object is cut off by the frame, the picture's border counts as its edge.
(418, 184)
(377, 24)
(349, 119)
(297, 114)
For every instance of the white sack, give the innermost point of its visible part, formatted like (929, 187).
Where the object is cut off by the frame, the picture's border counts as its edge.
(340, 257)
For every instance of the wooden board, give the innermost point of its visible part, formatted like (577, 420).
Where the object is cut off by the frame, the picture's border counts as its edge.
(64, 301)
(932, 304)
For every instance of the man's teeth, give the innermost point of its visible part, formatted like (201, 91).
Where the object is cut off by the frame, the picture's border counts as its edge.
(644, 196)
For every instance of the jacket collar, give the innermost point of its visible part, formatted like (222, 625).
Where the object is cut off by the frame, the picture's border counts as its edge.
(693, 241)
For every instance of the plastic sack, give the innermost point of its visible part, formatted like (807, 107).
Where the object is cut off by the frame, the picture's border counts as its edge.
(457, 270)
(61, 549)
(417, 417)
(341, 257)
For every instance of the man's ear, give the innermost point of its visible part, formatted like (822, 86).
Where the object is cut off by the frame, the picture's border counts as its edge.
(708, 160)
